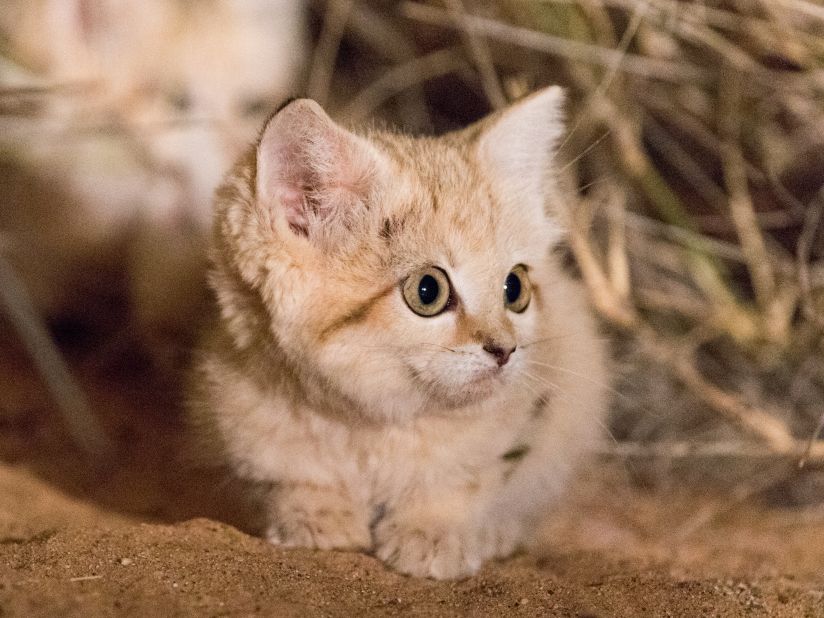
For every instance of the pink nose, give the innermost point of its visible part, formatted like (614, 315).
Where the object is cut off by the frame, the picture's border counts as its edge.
(501, 354)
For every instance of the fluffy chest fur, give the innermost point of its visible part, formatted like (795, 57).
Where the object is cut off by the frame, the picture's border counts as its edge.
(398, 356)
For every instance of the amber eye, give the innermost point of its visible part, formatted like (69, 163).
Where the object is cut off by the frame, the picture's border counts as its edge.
(427, 291)
(517, 289)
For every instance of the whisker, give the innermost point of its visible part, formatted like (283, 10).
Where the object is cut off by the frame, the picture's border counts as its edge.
(574, 373)
(592, 183)
(540, 380)
(579, 118)
(561, 336)
(406, 347)
(544, 340)
(442, 347)
(607, 431)
(585, 151)
(521, 381)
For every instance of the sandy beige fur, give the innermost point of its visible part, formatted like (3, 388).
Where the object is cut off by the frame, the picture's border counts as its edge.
(378, 429)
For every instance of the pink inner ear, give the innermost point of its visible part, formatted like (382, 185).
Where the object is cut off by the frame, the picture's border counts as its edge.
(308, 168)
(293, 202)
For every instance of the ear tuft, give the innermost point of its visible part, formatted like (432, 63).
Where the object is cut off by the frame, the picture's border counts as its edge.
(518, 146)
(309, 170)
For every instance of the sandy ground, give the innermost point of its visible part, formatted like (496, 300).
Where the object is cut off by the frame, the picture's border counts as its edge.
(138, 536)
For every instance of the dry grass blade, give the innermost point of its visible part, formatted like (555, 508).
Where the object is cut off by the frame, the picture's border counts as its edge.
(637, 17)
(812, 222)
(707, 244)
(609, 301)
(68, 395)
(804, 8)
(401, 77)
(740, 203)
(813, 450)
(617, 260)
(483, 59)
(757, 423)
(574, 50)
(326, 51)
(683, 161)
(377, 31)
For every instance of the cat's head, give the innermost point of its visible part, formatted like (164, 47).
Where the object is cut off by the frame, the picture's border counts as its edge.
(406, 275)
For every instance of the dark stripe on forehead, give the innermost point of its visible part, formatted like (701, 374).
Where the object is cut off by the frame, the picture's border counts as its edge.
(433, 196)
(392, 227)
(356, 314)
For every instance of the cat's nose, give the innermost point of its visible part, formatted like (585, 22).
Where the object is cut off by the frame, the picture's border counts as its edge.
(500, 353)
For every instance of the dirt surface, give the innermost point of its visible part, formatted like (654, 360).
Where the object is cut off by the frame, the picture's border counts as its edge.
(137, 535)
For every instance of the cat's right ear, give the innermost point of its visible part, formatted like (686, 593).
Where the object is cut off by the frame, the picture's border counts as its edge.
(517, 146)
(312, 172)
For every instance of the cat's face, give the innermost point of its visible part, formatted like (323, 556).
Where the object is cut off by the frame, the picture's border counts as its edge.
(411, 274)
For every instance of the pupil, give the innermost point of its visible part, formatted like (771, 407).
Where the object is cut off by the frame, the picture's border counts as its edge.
(512, 288)
(428, 289)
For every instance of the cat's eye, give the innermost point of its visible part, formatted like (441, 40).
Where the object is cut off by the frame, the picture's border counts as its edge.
(427, 291)
(517, 289)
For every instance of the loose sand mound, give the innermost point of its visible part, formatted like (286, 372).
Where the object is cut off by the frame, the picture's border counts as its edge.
(61, 556)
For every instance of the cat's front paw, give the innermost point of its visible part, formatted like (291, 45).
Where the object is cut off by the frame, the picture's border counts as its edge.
(435, 551)
(317, 519)
(501, 539)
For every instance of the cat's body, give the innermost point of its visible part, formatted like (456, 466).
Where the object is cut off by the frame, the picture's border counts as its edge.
(433, 430)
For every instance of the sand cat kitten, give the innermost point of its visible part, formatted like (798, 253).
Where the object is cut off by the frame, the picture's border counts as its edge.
(398, 353)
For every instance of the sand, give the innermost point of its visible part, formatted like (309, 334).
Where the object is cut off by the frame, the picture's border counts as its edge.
(136, 536)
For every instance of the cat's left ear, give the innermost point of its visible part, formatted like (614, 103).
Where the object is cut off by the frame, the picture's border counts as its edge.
(517, 146)
(312, 174)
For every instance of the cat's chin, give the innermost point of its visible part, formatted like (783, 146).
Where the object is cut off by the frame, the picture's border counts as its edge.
(452, 396)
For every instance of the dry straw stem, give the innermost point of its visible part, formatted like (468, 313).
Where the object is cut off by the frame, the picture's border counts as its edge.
(754, 421)
(401, 77)
(699, 450)
(617, 260)
(326, 51)
(608, 299)
(626, 133)
(693, 127)
(741, 207)
(681, 159)
(483, 59)
(574, 50)
(69, 397)
(382, 36)
(812, 222)
(760, 424)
